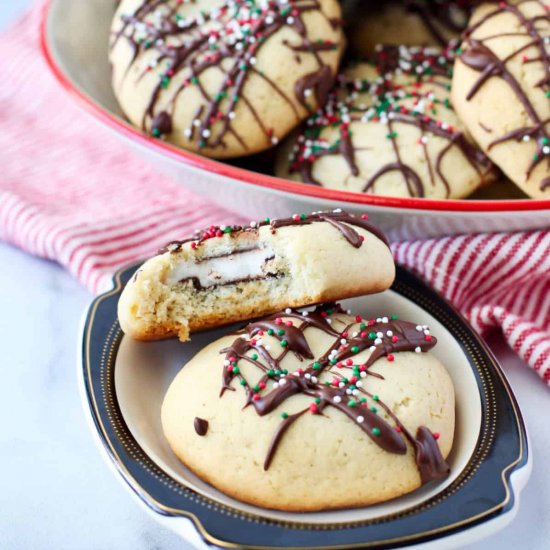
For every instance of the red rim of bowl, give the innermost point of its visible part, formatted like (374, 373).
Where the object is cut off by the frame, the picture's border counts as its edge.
(262, 180)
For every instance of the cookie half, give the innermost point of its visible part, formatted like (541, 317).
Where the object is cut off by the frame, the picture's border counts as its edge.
(389, 128)
(501, 89)
(229, 274)
(314, 411)
(224, 78)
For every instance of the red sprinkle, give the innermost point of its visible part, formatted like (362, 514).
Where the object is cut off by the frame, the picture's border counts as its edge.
(358, 318)
(364, 216)
(436, 435)
(261, 385)
(256, 396)
(193, 245)
(428, 338)
(288, 323)
(278, 321)
(390, 357)
(394, 339)
(313, 408)
(397, 429)
(349, 362)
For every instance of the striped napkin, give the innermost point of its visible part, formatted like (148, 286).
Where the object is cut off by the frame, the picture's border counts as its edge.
(71, 193)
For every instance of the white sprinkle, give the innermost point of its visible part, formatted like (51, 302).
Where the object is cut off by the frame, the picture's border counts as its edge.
(196, 122)
(267, 347)
(252, 224)
(307, 375)
(389, 333)
(206, 133)
(348, 391)
(274, 140)
(418, 349)
(385, 320)
(419, 328)
(372, 348)
(359, 384)
(426, 332)
(305, 313)
(377, 342)
(226, 363)
(355, 392)
(337, 399)
(343, 341)
(188, 133)
(546, 149)
(282, 381)
(363, 375)
(253, 61)
(355, 334)
(360, 419)
(290, 20)
(379, 319)
(288, 311)
(379, 334)
(231, 115)
(275, 385)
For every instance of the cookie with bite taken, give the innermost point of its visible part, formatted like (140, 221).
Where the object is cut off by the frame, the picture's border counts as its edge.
(227, 274)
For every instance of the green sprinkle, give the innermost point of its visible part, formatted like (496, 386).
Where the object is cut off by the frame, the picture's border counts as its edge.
(376, 431)
(242, 382)
(374, 410)
(270, 372)
(333, 361)
(355, 349)
(394, 317)
(303, 217)
(284, 343)
(156, 132)
(372, 335)
(376, 398)
(194, 80)
(318, 400)
(267, 220)
(256, 388)
(363, 400)
(362, 326)
(285, 371)
(316, 366)
(254, 356)
(280, 332)
(227, 230)
(284, 415)
(351, 403)
(345, 380)
(271, 332)
(236, 370)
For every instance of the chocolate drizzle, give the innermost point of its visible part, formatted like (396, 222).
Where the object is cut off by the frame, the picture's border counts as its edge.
(381, 100)
(201, 426)
(343, 221)
(228, 37)
(477, 55)
(383, 337)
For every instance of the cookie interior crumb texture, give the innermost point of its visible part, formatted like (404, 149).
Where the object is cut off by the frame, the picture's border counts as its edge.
(315, 410)
(228, 274)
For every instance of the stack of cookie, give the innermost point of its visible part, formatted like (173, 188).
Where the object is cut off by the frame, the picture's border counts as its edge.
(450, 93)
(304, 408)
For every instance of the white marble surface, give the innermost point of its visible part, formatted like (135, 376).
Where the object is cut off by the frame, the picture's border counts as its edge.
(55, 490)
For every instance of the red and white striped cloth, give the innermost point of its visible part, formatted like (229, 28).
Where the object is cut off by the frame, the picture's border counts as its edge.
(71, 193)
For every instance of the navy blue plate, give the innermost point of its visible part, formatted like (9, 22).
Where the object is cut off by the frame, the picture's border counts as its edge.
(482, 492)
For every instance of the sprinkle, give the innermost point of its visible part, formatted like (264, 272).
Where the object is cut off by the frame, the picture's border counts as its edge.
(418, 349)
(351, 403)
(390, 358)
(360, 419)
(436, 435)
(284, 343)
(337, 399)
(355, 349)
(284, 415)
(376, 431)
(375, 398)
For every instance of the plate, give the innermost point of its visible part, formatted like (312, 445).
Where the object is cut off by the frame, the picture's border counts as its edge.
(74, 41)
(124, 381)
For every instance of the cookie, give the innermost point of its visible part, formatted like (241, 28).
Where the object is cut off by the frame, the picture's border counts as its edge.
(314, 411)
(406, 22)
(223, 77)
(501, 89)
(389, 129)
(229, 274)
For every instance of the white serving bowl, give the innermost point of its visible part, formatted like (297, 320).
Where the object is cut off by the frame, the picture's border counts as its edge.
(74, 42)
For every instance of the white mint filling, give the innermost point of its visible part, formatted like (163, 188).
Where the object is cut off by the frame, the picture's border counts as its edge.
(239, 266)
